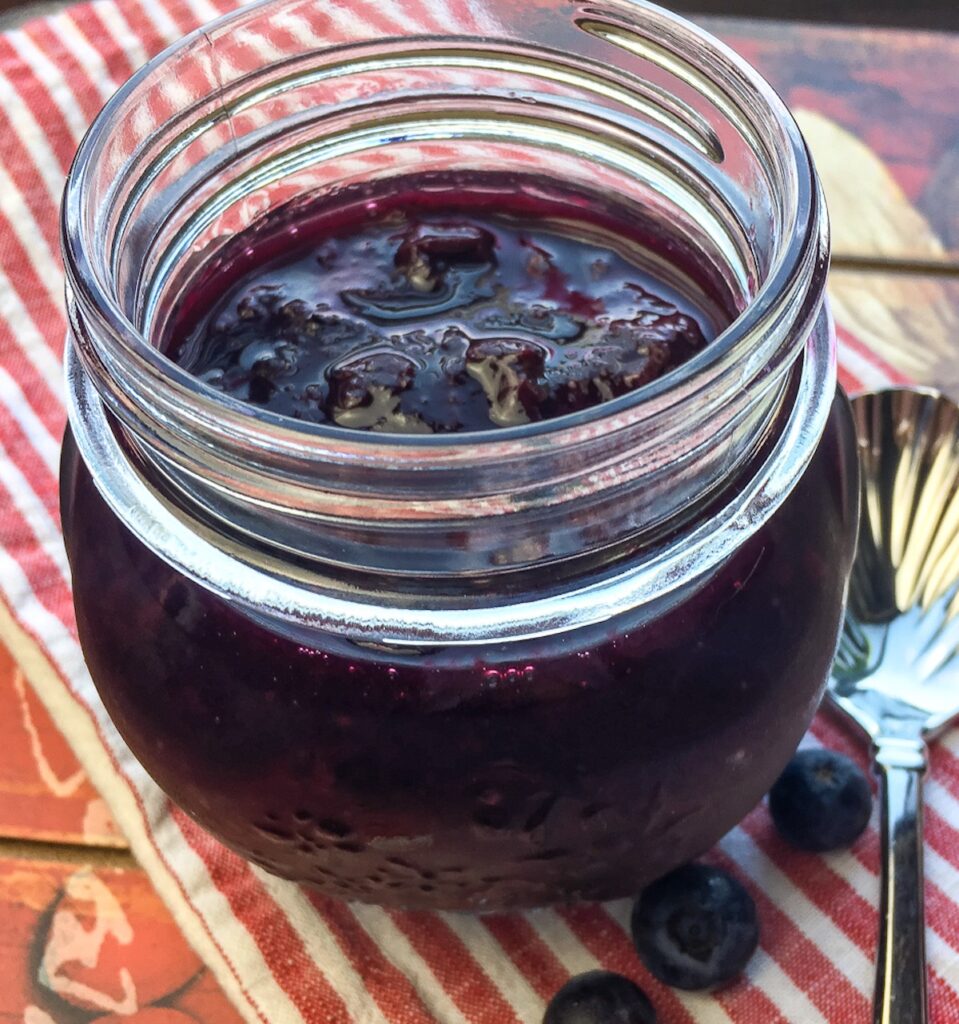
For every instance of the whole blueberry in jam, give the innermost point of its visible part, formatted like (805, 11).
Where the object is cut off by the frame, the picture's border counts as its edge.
(600, 997)
(696, 927)
(433, 320)
(822, 801)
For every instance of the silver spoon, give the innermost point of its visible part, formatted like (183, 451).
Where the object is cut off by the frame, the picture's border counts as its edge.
(896, 672)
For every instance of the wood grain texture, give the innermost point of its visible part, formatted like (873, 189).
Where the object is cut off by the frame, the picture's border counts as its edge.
(79, 945)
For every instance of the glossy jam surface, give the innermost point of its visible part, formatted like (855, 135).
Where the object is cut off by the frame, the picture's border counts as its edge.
(577, 766)
(424, 316)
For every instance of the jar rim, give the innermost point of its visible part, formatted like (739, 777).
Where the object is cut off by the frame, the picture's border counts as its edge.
(119, 344)
(686, 557)
(330, 509)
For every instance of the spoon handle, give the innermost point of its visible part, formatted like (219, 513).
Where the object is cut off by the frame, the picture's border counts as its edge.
(900, 996)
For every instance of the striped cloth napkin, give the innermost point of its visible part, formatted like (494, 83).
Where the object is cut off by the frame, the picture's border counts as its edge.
(283, 954)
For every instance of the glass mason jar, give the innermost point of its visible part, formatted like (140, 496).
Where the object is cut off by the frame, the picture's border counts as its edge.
(493, 669)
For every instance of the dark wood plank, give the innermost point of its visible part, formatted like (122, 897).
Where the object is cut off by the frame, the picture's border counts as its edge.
(930, 14)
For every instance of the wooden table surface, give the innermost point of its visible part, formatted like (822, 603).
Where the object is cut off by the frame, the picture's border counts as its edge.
(83, 935)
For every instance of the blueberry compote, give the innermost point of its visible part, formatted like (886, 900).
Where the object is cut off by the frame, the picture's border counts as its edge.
(577, 765)
(420, 313)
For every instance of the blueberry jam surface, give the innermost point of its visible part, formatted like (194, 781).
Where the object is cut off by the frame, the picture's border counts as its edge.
(424, 315)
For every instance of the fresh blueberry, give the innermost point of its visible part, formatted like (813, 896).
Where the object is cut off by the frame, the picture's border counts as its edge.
(822, 801)
(600, 997)
(696, 927)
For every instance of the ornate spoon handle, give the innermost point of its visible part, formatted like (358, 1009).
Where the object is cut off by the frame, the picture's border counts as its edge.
(900, 996)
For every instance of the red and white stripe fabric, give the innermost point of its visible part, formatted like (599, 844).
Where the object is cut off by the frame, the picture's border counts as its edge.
(283, 954)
